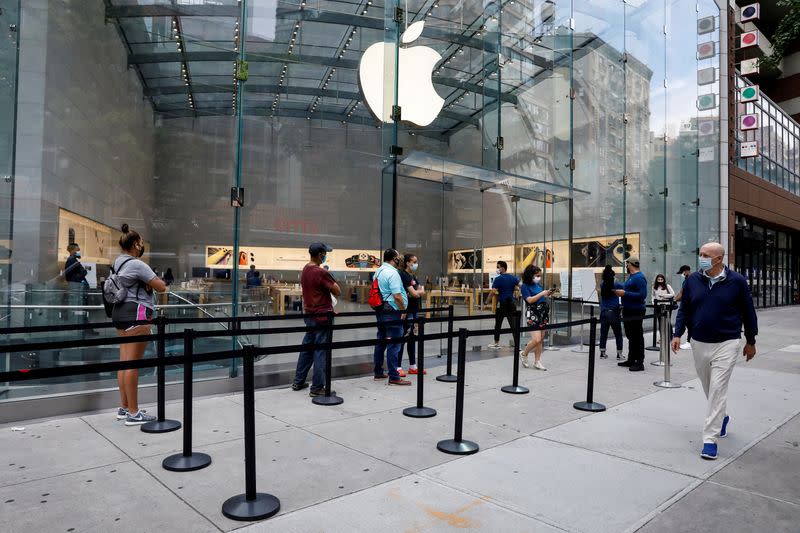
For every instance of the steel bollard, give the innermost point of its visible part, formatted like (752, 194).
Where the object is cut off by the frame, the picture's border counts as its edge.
(665, 352)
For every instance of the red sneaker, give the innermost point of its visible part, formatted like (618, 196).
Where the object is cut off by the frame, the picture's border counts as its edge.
(401, 372)
(414, 371)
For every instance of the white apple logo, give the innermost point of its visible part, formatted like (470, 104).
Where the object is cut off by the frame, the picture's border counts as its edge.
(418, 100)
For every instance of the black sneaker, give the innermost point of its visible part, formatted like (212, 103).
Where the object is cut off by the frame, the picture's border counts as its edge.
(625, 363)
(603, 354)
(320, 392)
(620, 357)
(638, 367)
(301, 386)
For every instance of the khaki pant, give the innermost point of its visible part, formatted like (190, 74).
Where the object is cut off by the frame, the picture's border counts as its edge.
(714, 363)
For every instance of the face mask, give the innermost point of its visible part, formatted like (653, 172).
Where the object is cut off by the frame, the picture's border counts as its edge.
(499, 271)
(414, 267)
(78, 255)
(141, 251)
(659, 281)
(704, 263)
(537, 279)
(324, 258)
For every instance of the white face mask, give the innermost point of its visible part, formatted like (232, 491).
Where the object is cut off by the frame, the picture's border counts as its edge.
(499, 271)
(537, 279)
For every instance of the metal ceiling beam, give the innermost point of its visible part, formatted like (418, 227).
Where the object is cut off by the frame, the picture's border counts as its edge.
(259, 89)
(175, 57)
(265, 111)
(174, 10)
(475, 88)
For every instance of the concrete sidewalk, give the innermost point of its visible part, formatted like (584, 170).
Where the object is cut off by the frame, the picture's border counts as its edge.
(363, 466)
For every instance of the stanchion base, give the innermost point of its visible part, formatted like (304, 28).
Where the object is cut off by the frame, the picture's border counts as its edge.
(667, 385)
(579, 349)
(653, 348)
(240, 508)
(457, 447)
(592, 407)
(327, 400)
(447, 378)
(659, 363)
(515, 389)
(161, 426)
(184, 463)
(419, 412)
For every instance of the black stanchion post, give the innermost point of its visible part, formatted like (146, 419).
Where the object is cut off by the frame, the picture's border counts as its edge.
(187, 461)
(161, 424)
(590, 404)
(330, 397)
(515, 388)
(449, 377)
(457, 445)
(654, 347)
(420, 411)
(251, 505)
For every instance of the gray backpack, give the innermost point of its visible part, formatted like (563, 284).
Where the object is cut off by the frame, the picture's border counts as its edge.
(114, 291)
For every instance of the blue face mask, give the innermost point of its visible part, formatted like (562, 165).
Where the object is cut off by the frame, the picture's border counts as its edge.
(704, 263)
(78, 255)
(324, 258)
(414, 267)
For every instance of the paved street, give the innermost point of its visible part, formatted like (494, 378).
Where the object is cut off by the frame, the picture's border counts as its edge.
(363, 466)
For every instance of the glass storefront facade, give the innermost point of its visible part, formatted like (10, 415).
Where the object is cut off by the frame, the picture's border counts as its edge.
(567, 134)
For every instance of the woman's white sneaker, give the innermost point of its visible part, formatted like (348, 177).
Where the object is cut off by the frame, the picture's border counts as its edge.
(538, 365)
(139, 418)
(524, 359)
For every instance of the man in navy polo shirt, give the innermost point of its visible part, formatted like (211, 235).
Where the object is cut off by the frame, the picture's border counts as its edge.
(503, 286)
(634, 296)
(716, 303)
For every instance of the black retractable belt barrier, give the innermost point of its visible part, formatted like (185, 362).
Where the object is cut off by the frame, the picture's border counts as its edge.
(187, 461)
(161, 424)
(420, 411)
(590, 404)
(251, 505)
(515, 388)
(449, 377)
(457, 445)
(330, 397)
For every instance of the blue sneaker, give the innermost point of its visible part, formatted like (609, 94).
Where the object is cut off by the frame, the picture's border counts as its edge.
(724, 431)
(122, 413)
(709, 451)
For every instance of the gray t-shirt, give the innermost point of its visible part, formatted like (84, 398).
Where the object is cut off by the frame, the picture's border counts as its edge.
(135, 275)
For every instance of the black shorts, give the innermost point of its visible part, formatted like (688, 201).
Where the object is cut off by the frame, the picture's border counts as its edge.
(125, 315)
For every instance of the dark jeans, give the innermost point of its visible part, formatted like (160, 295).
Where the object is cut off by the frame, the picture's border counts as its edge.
(609, 318)
(505, 309)
(635, 334)
(388, 331)
(408, 333)
(315, 357)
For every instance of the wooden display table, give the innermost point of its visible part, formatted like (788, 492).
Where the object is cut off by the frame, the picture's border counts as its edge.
(449, 295)
(279, 295)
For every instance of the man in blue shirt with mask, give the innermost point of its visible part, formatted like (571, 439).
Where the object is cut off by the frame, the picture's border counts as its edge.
(390, 317)
(634, 296)
(715, 305)
(504, 285)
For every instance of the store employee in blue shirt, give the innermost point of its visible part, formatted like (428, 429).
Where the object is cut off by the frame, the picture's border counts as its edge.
(503, 286)
(634, 296)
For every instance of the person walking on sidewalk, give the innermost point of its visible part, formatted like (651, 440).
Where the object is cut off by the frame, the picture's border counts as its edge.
(503, 286)
(537, 314)
(318, 286)
(634, 296)
(716, 303)
(389, 315)
(609, 312)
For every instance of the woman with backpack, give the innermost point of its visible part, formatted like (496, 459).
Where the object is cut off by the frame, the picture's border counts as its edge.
(138, 282)
(537, 313)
